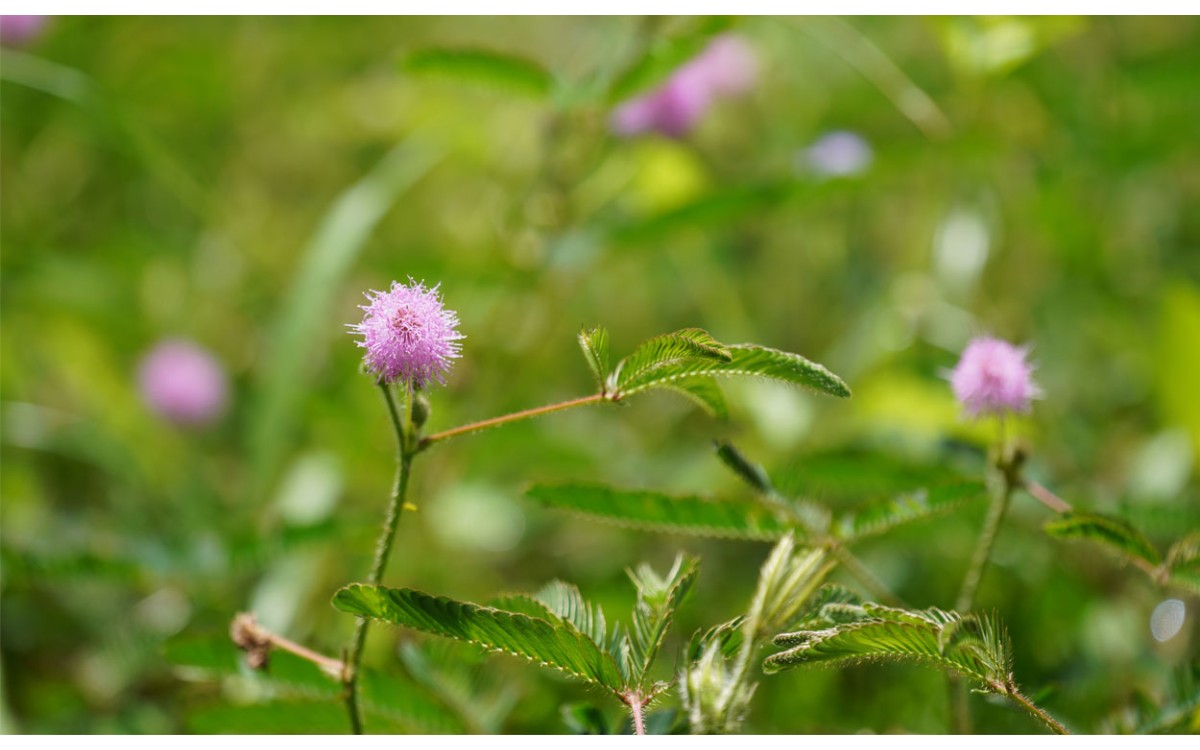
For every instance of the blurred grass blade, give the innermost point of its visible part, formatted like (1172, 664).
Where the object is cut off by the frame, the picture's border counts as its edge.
(1109, 531)
(552, 644)
(490, 69)
(655, 511)
(745, 359)
(300, 329)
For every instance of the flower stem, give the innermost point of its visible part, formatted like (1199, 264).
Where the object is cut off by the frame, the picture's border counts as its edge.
(983, 548)
(383, 547)
(506, 418)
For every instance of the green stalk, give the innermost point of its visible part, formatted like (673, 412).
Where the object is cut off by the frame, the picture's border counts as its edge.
(383, 547)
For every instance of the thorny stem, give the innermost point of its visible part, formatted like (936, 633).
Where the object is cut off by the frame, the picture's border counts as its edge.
(506, 418)
(383, 548)
(1055, 726)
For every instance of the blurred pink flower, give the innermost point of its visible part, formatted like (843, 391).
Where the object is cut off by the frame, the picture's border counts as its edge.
(725, 68)
(183, 383)
(408, 334)
(16, 30)
(992, 377)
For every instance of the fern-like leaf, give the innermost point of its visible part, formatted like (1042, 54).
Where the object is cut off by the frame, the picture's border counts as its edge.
(657, 600)
(917, 505)
(704, 392)
(643, 509)
(744, 359)
(663, 351)
(1109, 531)
(974, 646)
(559, 645)
(594, 344)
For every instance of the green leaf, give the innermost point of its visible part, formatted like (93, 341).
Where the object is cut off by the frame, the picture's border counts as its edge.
(745, 359)
(746, 470)
(974, 646)
(594, 344)
(643, 509)
(663, 57)
(491, 69)
(704, 392)
(1111, 532)
(908, 507)
(665, 350)
(657, 600)
(559, 645)
(833, 604)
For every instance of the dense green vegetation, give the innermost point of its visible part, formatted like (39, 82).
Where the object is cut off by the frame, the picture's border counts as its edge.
(241, 183)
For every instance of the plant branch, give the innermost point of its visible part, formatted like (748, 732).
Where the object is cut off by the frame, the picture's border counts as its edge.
(983, 548)
(1046, 497)
(437, 437)
(383, 547)
(636, 703)
(257, 642)
(1040, 714)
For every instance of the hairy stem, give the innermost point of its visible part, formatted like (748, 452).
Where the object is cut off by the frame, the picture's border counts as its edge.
(437, 437)
(1040, 714)
(983, 548)
(636, 703)
(383, 547)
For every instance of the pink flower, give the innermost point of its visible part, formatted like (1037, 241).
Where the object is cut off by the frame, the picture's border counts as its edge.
(725, 68)
(992, 377)
(183, 383)
(16, 30)
(408, 335)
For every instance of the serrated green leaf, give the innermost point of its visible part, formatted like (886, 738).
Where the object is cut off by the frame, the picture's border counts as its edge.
(704, 392)
(643, 509)
(908, 507)
(749, 472)
(594, 344)
(826, 608)
(1114, 533)
(558, 645)
(565, 601)
(492, 69)
(727, 637)
(974, 646)
(663, 57)
(657, 600)
(745, 359)
(665, 350)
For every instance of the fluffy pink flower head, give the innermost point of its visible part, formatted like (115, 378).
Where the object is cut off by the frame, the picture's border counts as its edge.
(992, 377)
(182, 383)
(725, 68)
(408, 334)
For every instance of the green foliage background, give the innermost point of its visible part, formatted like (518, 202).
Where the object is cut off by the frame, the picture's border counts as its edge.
(242, 182)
